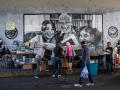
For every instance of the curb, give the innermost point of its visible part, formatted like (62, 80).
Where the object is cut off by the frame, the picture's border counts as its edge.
(29, 74)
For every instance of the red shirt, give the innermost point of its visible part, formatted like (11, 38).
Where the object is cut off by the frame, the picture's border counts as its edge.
(69, 50)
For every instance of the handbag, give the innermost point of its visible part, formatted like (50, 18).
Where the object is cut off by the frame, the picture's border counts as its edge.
(84, 72)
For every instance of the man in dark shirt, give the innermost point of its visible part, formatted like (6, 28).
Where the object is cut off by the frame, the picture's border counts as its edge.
(109, 61)
(57, 60)
(85, 61)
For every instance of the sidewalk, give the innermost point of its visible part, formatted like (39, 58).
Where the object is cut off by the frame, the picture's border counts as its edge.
(102, 82)
(24, 73)
(28, 73)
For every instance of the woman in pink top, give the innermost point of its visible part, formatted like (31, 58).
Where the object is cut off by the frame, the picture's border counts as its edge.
(69, 55)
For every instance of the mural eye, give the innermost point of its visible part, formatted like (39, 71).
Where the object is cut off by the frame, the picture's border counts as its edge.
(113, 32)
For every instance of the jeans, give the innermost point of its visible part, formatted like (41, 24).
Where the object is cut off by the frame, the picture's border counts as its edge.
(70, 59)
(109, 63)
(87, 63)
(37, 70)
(57, 66)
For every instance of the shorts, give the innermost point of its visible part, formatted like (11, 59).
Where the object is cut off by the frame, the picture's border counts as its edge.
(70, 59)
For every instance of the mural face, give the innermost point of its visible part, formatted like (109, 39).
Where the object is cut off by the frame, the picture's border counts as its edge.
(61, 28)
(11, 31)
(48, 33)
(11, 34)
(84, 35)
(65, 23)
(113, 32)
(91, 35)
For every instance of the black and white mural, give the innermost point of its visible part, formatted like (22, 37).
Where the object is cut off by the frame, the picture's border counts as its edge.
(113, 31)
(11, 31)
(52, 28)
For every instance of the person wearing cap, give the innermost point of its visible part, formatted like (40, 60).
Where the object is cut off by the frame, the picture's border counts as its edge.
(85, 61)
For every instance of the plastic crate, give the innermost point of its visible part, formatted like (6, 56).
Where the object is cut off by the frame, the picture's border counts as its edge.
(94, 69)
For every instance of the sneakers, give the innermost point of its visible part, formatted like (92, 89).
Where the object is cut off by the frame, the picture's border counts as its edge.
(36, 77)
(78, 85)
(90, 84)
(47, 70)
(53, 75)
(59, 76)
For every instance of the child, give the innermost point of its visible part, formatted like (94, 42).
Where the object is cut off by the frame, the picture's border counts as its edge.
(69, 55)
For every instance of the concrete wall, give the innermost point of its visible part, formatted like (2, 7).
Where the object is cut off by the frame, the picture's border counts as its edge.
(11, 17)
(16, 15)
(61, 3)
(111, 19)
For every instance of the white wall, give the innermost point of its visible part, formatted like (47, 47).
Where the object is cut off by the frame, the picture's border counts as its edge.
(16, 15)
(111, 19)
(11, 17)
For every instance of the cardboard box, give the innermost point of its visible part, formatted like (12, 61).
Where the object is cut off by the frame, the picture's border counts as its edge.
(28, 66)
(65, 63)
(42, 66)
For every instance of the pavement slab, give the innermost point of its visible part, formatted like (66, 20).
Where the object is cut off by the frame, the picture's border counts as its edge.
(102, 82)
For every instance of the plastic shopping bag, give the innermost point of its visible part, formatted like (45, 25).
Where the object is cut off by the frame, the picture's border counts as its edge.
(84, 72)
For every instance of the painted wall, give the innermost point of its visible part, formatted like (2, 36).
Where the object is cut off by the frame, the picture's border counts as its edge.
(16, 15)
(11, 17)
(111, 19)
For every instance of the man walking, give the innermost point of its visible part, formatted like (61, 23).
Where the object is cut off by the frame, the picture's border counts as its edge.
(85, 61)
